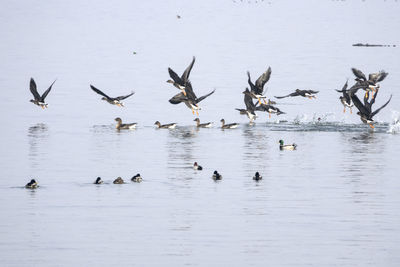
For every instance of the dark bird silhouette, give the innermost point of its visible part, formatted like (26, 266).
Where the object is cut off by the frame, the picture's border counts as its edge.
(345, 99)
(257, 89)
(180, 82)
(250, 107)
(39, 99)
(365, 110)
(304, 93)
(111, 100)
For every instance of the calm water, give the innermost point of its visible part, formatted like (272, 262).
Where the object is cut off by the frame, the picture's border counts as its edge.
(332, 202)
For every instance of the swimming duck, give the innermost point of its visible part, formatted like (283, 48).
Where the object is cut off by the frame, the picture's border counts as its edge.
(165, 126)
(228, 126)
(216, 176)
(257, 177)
(137, 178)
(250, 107)
(365, 110)
(304, 93)
(286, 147)
(197, 167)
(202, 125)
(39, 99)
(121, 125)
(180, 82)
(98, 181)
(111, 100)
(32, 184)
(119, 180)
(256, 90)
(345, 99)
(190, 99)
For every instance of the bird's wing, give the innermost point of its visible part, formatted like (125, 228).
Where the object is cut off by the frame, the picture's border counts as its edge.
(248, 101)
(99, 92)
(178, 98)
(186, 73)
(189, 91)
(357, 86)
(123, 97)
(359, 74)
(261, 107)
(32, 87)
(263, 79)
(344, 88)
(175, 77)
(382, 75)
(292, 94)
(252, 86)
(47, 91)
(359, 105)
(204, 96)
(376, 111)
(312, 92)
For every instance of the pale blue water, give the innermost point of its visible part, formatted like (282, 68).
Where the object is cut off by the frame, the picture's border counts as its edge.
(332, 202)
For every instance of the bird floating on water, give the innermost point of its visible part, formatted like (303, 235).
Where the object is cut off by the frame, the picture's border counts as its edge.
(121, 125)
(32, 184)
(216, 176)
(202, 125)
(137, 178)
(257, 176)
(197, 167)
(98, 181)
(228, 126)
(165, 126)
(286, 147)
(111, 100)
(39, 99)
(119, 180)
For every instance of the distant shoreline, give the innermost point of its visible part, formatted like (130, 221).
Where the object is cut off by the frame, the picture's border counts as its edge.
(373, 45)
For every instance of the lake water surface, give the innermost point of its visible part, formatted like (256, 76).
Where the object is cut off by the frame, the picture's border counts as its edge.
(332, 202)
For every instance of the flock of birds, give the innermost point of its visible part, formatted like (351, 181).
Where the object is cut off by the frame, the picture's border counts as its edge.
(255, 93)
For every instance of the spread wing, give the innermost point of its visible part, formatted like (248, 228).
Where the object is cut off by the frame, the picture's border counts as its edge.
(359, 74)
(47, 91)
(248, 101)
(312, 92)
(123, 97)
(189, 91)
(178, 98)
(263, 79)
(377, 77)
(32, 87)
(186, 73)
(204, 96)
(376, 111)
(252, 86)
(359, 105)
(175, 77)
(292, 94)
(99, 92)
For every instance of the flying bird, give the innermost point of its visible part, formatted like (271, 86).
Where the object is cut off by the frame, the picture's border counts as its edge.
(345, 98)
(257, 89)
(190, 99)
(180, 82)
(111, 100)
(304, 93)
(250, 107)
(39, 99)
(365, 110)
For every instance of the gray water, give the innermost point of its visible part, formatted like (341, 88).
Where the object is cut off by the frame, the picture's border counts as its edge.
(332, 202)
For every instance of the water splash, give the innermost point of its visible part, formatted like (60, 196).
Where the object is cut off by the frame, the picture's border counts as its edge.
(394, 126)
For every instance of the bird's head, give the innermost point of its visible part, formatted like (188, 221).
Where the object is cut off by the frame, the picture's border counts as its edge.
(197, 119)
(281, 142)
(222, 120)
(104, 98)
(157, 123)
(170, 81)
(118, 119)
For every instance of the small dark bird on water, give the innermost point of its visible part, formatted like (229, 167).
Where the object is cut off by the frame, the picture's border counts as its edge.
(98, 181)
(216, 176)
(257, 177)
(137, 178)
(32, 184)
(197, 167)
